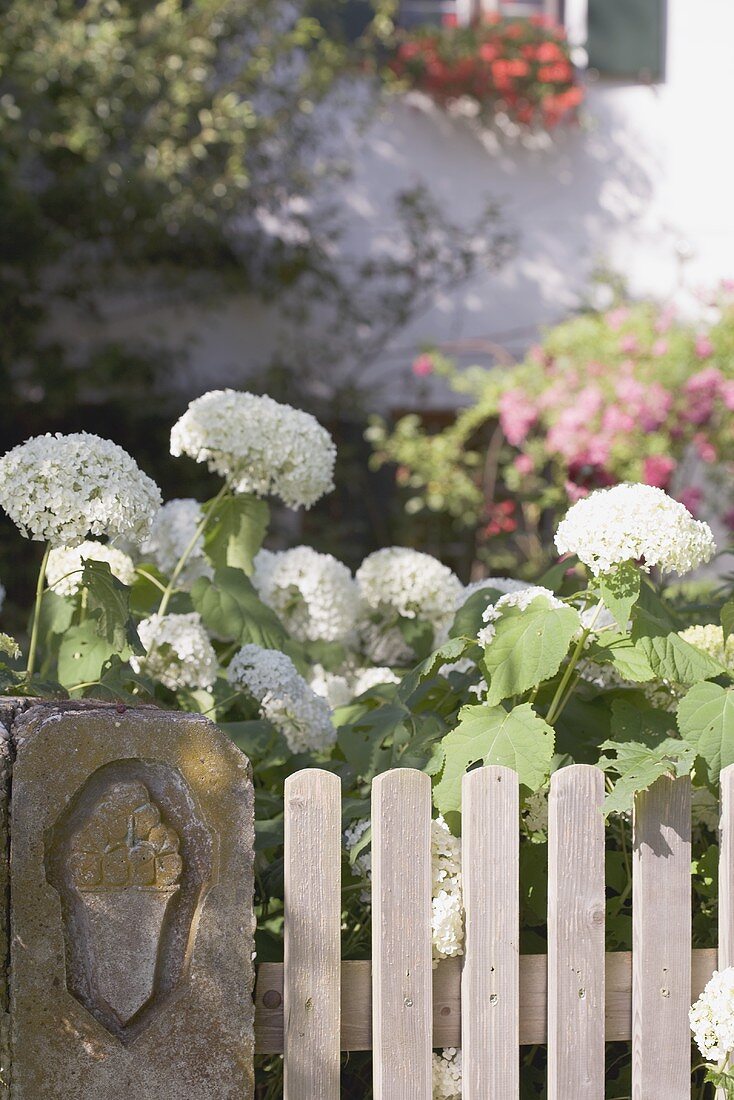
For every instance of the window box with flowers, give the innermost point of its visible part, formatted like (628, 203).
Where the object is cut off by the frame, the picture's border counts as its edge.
(519, 68)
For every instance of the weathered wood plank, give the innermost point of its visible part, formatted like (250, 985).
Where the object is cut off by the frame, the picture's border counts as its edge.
(726, 870)
(661, 941)
(311, 994)
(490, 983)
(576, 908)
(356, 1029)
(401, 935)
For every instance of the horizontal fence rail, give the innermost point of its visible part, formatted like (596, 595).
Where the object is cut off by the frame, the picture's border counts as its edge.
(356, 1001)
(491, 1001)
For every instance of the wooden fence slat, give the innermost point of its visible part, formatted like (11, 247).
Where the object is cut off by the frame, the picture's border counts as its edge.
(401, 935)
(726, 870)
(357, 1000)
(661, 942)
(312, 967)
(490, 987)
(576, 909)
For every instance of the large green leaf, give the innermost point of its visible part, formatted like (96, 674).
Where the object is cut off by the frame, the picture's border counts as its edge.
(528, 647)
(706, 722)
(236, 530)
(517, 739)
(639, 764)
(232, 610)
(82, 654)
(109, 606)
(634, 719)
(56, 614)
(620, 591)
(668, 655)
(624, 655)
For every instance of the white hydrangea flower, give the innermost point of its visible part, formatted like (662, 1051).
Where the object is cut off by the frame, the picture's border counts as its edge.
(633, 522)
(285, 699)
(178, 651)
(62, 488)
(258, 445)
(314, 595)
(171, 532)
(712, 1017)
(447, 913)
(522, 599)
(366, 678)
(710, 639)
(331, 686)
(399, 581)
(447, 1074)
(499, 584)
(65, 565)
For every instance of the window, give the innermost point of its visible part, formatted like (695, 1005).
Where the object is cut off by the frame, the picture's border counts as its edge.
(626, 38)
(415, 12)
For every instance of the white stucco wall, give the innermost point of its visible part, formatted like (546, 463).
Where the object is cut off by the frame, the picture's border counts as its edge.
(645, 187)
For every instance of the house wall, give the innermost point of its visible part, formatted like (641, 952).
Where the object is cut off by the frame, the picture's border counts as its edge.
(644, 187)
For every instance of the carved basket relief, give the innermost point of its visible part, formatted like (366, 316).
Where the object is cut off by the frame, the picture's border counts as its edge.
(132, 875)
(125, 864)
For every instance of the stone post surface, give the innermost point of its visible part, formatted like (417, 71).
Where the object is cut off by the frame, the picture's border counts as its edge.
(131, 920)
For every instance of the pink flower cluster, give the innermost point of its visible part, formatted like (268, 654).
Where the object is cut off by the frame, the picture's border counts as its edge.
(625, 415)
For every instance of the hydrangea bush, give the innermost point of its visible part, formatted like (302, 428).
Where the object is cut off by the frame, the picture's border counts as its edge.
(401, 665)
(635, 394)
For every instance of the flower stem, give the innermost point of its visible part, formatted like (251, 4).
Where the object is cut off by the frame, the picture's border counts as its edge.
(36, 621)
(558, 702)
(179, 567)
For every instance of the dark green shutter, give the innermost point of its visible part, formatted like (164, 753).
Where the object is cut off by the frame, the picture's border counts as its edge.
(627, 38)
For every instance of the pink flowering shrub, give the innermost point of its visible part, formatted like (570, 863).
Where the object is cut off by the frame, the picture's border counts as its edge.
(635, 394)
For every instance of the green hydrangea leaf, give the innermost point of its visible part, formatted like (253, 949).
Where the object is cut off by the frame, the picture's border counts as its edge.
(528, 647)
(468, 620)
(727, 619)
(363, 740)
(82, 654)
(235, 531)
(639, 764)
(517, 739)
(108, 600)
(620, 591)
(450, 651)
(231, 609)
(627, 658)
(669, 656)
(706, 722)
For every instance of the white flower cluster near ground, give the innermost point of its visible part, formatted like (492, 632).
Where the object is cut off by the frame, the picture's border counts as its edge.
(447, 913)
(522, 599)
(710, 639)
(178, 651)
(712, 1017)
(171, 532)
(447, 919)
(631, 523)
(314, 595)
(285, 699)
(447, 1074)
(258, 446)
(65, 565)
(62, 488)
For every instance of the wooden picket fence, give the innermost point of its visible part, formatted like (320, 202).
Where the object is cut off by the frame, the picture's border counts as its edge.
(492, 1000)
